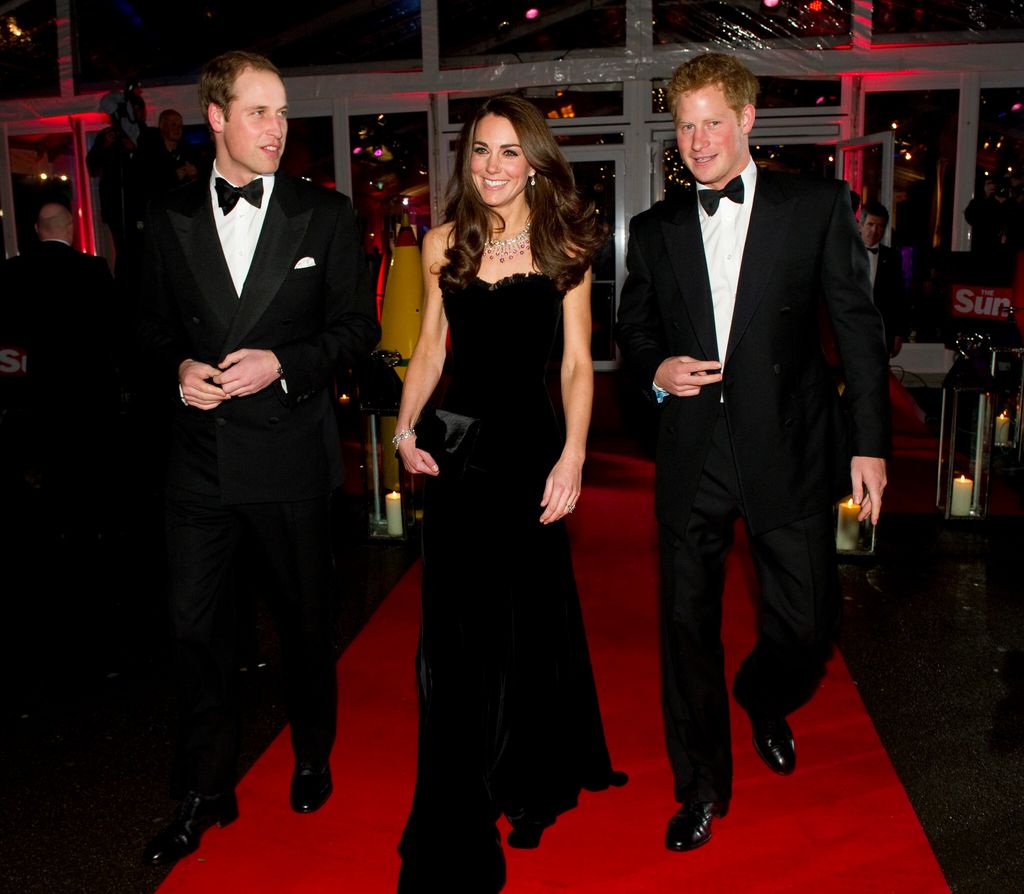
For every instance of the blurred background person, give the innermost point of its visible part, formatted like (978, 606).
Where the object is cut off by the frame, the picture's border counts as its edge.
(886, 275)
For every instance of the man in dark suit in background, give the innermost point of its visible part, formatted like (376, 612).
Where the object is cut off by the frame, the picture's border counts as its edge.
(60, 302)
(719, 314)
(254, 290)
(886, 275)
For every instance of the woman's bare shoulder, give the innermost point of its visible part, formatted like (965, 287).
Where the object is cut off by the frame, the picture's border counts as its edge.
(438, 239)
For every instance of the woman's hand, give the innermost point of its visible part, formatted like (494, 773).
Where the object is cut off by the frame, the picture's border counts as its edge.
(562, 489)
(417, 461)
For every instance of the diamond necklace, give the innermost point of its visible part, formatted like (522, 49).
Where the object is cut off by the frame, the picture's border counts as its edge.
(502, 249)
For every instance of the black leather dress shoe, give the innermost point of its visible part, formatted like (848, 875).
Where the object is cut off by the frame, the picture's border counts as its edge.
(612, 779)
(311, 787)
(691, 826)
(527, 829)
(181, 837)
(525, 834)
(773, 742)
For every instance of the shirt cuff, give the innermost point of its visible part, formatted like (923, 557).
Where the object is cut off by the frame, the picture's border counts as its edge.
(659, 393)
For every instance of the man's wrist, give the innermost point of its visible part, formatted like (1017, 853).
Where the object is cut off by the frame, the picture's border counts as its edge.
(279, 366)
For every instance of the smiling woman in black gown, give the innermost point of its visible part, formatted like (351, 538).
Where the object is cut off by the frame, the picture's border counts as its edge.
(509, 718)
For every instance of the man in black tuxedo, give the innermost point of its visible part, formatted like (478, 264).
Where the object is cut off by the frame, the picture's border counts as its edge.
(719, 314)
(886, 275)
(254, 290)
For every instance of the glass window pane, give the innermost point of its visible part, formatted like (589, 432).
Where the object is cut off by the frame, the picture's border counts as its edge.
(564, 138)
(775, 93)
(309, 152)
(389, 179)
(42, 170)
(913, 16)
(28, 49)
(169, 42)
(595, 181)
(996, 214)
(555, 103)
(924, 123)
(487, 32)
(864, 173)
(737, 24)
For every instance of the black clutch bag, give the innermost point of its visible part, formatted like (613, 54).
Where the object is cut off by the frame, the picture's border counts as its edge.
(449, 438)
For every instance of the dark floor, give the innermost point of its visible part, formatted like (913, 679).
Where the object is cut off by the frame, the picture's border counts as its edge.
(934, 637)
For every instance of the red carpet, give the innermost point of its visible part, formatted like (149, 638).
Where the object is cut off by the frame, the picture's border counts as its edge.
(841, 823)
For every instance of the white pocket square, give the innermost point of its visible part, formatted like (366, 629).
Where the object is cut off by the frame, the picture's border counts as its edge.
(305, 262)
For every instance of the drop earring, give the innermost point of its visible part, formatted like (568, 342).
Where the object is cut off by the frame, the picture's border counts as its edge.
(533, 180)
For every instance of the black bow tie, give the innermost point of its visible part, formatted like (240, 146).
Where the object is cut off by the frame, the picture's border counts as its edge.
(710, 198)
(872, 248)
(228, 195)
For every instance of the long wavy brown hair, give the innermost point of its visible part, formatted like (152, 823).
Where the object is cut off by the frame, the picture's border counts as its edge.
(564, 231)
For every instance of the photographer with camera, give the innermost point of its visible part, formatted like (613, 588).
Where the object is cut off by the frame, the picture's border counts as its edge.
(987, 214)
(115, 159)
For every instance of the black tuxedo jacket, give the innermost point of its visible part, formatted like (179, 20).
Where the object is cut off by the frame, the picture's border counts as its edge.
(275, 445)
(890, 295)
(59, 305)
(780, 399)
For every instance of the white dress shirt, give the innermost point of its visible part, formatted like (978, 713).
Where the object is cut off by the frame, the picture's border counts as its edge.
(873, 260)
(239, 231)
(724, 235)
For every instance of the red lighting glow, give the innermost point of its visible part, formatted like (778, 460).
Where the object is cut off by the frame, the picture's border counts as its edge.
(771, 4)
(815, 6)
(533, 12)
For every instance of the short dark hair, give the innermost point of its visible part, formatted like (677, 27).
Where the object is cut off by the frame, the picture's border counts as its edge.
(217, 81)
(714, 70)
(875, 209)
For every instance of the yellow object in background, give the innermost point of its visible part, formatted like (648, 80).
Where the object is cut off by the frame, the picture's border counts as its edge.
(400, 324)
(403, 297)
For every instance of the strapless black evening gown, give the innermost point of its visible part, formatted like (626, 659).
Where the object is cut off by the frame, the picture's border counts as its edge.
(509, 718)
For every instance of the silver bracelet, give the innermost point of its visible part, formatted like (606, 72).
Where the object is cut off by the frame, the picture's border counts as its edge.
(402, 435)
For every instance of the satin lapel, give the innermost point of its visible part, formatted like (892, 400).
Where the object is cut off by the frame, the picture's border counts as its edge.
(685, 249)
(283, 231)
(771, 219)
(197, 234)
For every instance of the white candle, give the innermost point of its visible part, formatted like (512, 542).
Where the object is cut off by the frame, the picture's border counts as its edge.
(847, 526)
(962, 497)
(1002, 430)
(393, 503)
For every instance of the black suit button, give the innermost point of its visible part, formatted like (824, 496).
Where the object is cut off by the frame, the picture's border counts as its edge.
(221, 421)
(777, 368)
(671, 429)
(195, 320)
(675, 325)
(273, 420)
(789, 422)
(785, 310)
